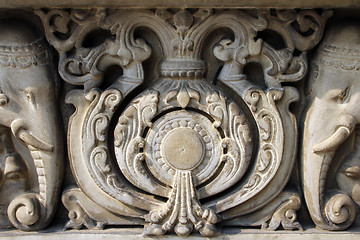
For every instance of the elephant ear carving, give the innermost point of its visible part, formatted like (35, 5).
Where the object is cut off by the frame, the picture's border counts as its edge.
(29, 111)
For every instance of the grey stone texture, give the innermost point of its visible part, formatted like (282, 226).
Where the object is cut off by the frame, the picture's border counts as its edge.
(229, 120)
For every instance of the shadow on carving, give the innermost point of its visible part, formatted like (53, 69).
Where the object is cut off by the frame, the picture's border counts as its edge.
(333, 91)
(184, 154)
(30, 129)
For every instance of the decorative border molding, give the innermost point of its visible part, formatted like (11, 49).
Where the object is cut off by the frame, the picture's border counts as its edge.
(136, 4)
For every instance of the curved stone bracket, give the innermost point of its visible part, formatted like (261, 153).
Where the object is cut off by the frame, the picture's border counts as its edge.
(279, 212)
(85, 213)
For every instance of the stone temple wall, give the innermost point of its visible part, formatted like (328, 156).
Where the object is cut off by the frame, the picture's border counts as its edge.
(216, 119)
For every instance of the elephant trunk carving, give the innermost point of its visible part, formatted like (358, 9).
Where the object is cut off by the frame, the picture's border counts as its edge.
(330, 210)
(331, 115)
(31, 211)
(29, 109)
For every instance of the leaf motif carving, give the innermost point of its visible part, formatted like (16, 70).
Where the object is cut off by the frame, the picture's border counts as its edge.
(216, 106)
(100, 158)
(182, 93)
(101, 125)
(253, 181)
(183, 98)
(265, 127)
(183, 108)
(147, 107)
(170, 96)
(264, 160)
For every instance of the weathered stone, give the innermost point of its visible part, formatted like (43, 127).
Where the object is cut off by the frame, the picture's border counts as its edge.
(180, 4)
(182, 119)
(29, 111)
(331, 117)
(182, 138)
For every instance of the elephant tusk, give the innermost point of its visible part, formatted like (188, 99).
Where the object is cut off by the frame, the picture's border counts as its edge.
(20, 131)
(353, 172)
(331, 143)
(33, 141)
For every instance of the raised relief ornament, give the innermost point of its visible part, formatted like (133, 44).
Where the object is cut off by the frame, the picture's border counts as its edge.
(31, 140)
(333, 91)
(181, 153)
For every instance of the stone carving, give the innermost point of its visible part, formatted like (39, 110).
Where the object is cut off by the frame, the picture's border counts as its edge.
(28, 112)
(349, 172)
(330, 117)
(183, 120)
(14, 175)
(182, 155)
(280, 211)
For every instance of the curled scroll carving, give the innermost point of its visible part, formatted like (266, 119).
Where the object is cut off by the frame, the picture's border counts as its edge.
(182, 155)
(87, 65)
(279, 212)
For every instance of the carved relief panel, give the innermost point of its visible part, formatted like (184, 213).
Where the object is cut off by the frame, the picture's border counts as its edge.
(31, 141)
(333, 206)
(179, 153)
(181, 120)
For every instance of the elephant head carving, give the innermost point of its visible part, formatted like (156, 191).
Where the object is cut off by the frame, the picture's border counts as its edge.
(332, 113)
(28, 108)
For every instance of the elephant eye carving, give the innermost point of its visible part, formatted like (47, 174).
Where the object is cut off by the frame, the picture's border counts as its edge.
(343, 95)
(339, 95)
(14, 176)
(30, 96)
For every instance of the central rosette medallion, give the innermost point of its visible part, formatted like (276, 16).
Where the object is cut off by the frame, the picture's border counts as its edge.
(195, 146)
(183, 148)
(182, 140)
(188, 142)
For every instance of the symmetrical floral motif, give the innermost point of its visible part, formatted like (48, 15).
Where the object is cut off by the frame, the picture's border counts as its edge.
(182, 155)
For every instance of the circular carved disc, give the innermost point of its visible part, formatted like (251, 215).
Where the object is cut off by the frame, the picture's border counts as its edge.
(182, 140)
(183, 148)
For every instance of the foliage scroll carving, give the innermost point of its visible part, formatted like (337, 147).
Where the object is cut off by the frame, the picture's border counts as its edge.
(180, 153)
